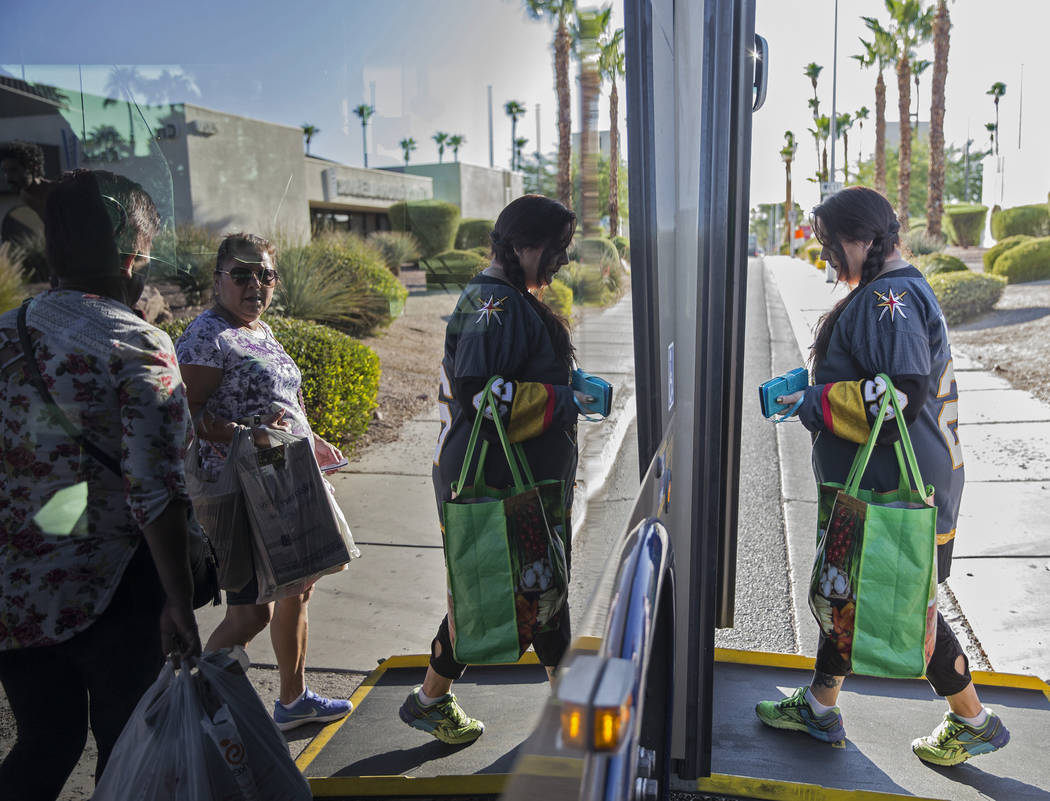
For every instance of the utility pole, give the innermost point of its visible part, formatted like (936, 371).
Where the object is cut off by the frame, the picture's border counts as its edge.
(538, 151)
(372, 103)
(834, 87)
(966, 162)
(492, 162)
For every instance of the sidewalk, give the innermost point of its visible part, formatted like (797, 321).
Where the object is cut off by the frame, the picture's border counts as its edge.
(391, 600)
(1001, 569)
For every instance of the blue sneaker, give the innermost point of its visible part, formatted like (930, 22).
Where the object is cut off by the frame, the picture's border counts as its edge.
(795, 713)
(955, 740)
(310, 708)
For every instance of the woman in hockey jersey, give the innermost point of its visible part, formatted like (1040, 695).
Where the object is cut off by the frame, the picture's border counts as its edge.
(889, 323)
(499, 328)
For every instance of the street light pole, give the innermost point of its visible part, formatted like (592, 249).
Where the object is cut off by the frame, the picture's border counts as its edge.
(829, 273)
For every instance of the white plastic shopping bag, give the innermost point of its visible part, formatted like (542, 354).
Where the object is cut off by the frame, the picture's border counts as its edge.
(298, 532)
(201, 734)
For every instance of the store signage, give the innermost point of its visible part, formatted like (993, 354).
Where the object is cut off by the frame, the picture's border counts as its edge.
(362, 184)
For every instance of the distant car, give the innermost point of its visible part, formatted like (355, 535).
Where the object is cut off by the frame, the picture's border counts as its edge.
(752, 246)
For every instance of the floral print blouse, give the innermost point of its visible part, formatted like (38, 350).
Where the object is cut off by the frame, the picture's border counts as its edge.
(258, 377)
(68, 525)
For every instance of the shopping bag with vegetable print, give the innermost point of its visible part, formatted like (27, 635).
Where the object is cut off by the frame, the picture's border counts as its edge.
(505, 554)
(873, 588)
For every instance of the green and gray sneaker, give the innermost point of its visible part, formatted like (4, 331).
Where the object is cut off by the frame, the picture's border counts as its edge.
(795, 713)
(955, 740)
(444, 718)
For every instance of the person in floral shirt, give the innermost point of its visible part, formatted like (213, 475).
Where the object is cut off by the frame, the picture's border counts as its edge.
(89, 561)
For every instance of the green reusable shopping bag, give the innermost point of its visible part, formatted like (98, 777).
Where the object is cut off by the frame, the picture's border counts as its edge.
(504, 554)
(874, 583)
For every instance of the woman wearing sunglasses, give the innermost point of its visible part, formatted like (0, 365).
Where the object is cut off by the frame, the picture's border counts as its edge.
(236, 372)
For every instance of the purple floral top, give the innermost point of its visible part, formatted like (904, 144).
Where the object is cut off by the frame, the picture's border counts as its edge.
(256, 373)
(68, 525)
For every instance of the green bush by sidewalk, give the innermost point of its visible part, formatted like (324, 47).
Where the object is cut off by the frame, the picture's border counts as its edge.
(934, 263)
(920, 242)
(456, 266)
(999, 248)
(397, 247)
(340, 376)
(963, 223)
(1029, 261)
(12, 277)
(965, 295)
(474, 232)
(433, 222)
(623, 247)
(194, 249)
(559, 297)
(597, 250)
(1033, 220)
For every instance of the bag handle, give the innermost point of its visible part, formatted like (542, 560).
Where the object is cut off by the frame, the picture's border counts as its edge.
(512, 453)
(864, 453)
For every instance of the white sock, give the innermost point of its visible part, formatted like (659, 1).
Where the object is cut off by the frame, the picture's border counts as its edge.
(301, 696)
(978, 720)
(814, 704)
(425, 699)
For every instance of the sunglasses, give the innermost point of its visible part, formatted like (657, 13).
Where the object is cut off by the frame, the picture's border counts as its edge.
(242, 275)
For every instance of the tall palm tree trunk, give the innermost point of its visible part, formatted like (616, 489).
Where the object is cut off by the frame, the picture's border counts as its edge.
(562, 44)
(845, 158)
(880, 135)
(904, 114)
(935, 201)
(788, 233)
(364, 141)
(614, 162)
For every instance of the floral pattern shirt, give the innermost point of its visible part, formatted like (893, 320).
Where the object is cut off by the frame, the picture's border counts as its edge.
(68, 525)
(258, 377)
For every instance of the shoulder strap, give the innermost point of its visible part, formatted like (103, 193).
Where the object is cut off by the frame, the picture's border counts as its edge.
(33, 372)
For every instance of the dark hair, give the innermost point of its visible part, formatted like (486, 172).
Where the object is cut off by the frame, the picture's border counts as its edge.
(855, 214)
(242, 244)
(92, 217)
(536, 221)
(29, 155)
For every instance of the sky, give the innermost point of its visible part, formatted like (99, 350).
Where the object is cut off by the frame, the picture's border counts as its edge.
(430, 64)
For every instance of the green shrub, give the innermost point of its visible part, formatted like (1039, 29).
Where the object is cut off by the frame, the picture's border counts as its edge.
(458, 266)
(474, 232)
(32, 255)
(1029, 261)
(193, 249)
(433, 222)
(1033, 220)
(559, 297)
(623, 247)
(593, 285)
(934, 263)
(965, 295)
(597, 250)
(396, 247)
(920, 242)
(12, 277)
(485, 251)
(340, 376)
(963, 223)
(1000, 247)
(339, 280)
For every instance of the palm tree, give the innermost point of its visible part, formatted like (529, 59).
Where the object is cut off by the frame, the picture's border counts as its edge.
(560, 12)
(407, 146)
(455, 142)
(812, 71)
(993, 129)
(918, 67)
(787, 153)
(909, 26)
(860, 116)
(519, 148)
(365, 112)
(611, 64)
(880, 52)
(120, 82)
(309, 132)
(514, 110)
(998, 90)
(842, 126)
(822, 133)
(440, 139)
(935, 198)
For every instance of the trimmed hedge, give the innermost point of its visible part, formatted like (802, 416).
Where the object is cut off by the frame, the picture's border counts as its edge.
(433, 222)
(935, 263)
(963, 223)
(559, 297)
(623, 247)
(1000, 247)
(1029, 261)
(459, 266)
(965, 295)
(474, 232)
(340, 376)
(1033, 220)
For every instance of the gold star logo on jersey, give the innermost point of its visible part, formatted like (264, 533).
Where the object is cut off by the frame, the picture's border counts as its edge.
(889, 302)
(490, 310)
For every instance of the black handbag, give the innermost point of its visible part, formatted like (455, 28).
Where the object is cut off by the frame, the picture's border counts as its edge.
(203, 564)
